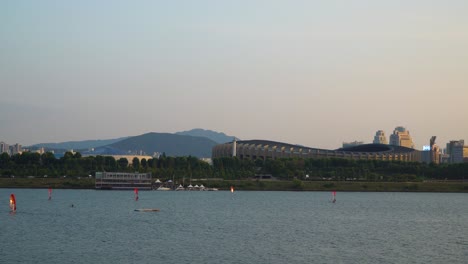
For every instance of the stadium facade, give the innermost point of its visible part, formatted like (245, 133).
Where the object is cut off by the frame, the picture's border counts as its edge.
(264, 149)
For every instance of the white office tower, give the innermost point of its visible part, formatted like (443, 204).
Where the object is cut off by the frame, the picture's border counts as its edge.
(401, 137)
(4, 147)
(380, 137)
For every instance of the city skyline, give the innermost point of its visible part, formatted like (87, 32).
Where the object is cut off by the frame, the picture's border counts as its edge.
(344, 144)
(311, 73)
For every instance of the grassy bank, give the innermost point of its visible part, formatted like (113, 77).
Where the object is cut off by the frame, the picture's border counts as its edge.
(341, 186)
(249, 185)
(56, 183)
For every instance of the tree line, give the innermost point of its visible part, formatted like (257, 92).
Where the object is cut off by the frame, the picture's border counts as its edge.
(340, 169)
(229, 168)
(74, 165)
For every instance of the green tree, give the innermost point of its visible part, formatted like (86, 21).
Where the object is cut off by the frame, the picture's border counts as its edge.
(48, 159)
(99, 163)
(123, 163)
(144, 165)
(4, 160)
(110, 164)
(136, 164)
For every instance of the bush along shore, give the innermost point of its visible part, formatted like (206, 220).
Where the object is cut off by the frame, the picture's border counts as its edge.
(33, 170)
(260, 185)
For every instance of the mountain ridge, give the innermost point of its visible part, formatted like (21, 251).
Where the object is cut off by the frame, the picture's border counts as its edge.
(218, 137)
(195, 142)
(170, 144)
(79, 144)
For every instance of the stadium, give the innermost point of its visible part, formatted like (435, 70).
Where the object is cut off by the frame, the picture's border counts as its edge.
(264, 149)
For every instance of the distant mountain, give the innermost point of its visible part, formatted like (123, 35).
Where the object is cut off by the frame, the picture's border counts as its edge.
(104, 150)
(77, 145)
(171, 144)
(217, 137)
(196, 142)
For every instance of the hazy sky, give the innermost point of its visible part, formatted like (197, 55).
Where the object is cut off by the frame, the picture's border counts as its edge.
(315, 73)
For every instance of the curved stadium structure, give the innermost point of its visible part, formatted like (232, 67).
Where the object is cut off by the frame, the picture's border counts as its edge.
(264, 149)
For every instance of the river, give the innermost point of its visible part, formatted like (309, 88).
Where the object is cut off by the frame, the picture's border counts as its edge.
(239, 227)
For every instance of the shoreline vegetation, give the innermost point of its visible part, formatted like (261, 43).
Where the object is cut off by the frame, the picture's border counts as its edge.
(261, 185)
(73, 171)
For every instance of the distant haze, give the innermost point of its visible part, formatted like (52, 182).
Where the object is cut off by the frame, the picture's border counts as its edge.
(314, 73)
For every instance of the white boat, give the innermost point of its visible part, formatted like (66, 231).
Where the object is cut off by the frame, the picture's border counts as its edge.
(161, 188)
(147, 210)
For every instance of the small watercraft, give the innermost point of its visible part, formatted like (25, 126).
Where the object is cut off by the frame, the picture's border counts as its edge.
(12, 203)
(147, 210)
(136, 194)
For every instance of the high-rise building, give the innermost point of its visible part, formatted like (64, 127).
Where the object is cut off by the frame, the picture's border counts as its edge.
(4, 147)
(401, 137)
(16, 149)
(434, 151)
(380, 138)
(435, 154)
(457, 151)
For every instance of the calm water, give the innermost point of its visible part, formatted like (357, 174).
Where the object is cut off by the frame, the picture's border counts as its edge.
(244, 227)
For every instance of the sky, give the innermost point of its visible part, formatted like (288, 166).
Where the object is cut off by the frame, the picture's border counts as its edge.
(314, 73)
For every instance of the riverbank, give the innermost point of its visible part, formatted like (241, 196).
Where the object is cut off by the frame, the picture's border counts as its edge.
(249, 185)
(56, 183)
(353, 186)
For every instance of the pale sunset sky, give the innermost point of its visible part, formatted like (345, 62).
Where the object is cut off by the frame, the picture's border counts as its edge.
(314, 73)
